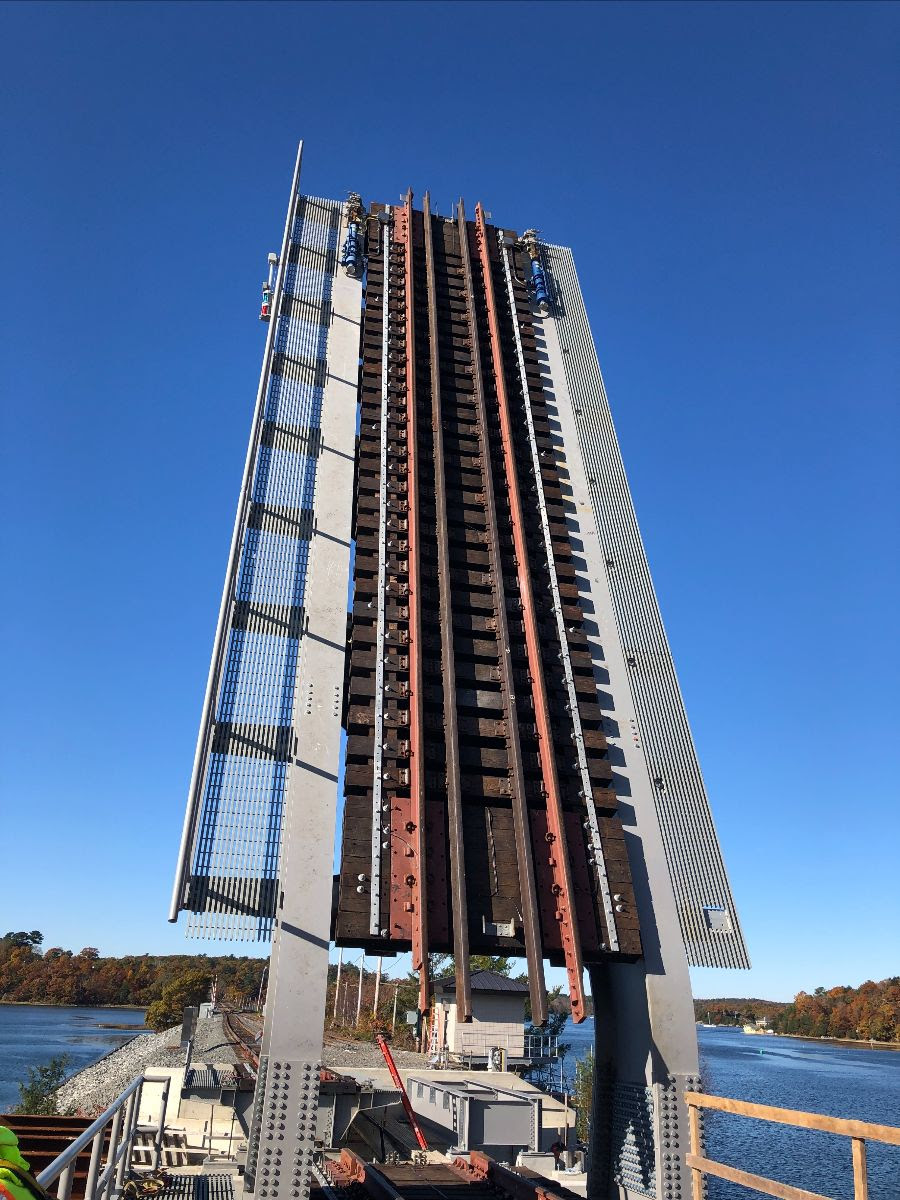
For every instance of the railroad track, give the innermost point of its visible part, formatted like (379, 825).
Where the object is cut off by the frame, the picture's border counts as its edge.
(243, 1037)
(479, 811)
(475, 1178)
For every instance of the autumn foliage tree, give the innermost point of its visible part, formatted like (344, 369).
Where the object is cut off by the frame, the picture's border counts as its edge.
(60, 976)
(190, 988)
(737, 1010)
(870, 1012)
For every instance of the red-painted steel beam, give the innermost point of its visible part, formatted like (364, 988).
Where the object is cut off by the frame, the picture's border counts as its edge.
(563, 890)
(524, 850)
(404, 1097)
(403, 234)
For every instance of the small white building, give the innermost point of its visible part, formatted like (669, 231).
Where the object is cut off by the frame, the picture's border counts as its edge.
(498, 1021)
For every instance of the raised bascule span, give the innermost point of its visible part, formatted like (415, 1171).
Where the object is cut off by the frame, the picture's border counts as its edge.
(432, 438)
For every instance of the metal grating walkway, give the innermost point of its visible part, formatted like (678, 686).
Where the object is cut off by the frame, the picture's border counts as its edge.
(198, 1187)
(230, 880)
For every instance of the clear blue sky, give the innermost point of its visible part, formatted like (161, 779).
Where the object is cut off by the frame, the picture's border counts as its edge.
(728, 178)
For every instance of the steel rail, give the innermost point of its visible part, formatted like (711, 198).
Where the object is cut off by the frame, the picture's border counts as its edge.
(416, 722)
(242, 1038)
(404, 1095)
(578, 731)
(558, 853)
(448, 663)
(531, 927)
(375, 872)
(204, 740)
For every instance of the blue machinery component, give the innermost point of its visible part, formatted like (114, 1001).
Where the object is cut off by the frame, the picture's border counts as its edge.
(539, 289)
(538, 285)
(352, 251)
(351, 254)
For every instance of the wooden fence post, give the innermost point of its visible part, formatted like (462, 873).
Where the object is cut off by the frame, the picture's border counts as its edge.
(860, 1175)
(694, 1128)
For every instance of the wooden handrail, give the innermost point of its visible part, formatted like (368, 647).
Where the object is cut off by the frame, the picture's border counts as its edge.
(857, 1131)
(768, 1187)
(890, 1134)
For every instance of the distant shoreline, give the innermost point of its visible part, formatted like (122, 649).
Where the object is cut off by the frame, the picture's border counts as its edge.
(50, 1004)
(866, 1044)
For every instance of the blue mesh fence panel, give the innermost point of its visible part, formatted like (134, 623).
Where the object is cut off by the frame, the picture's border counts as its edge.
(237, 843)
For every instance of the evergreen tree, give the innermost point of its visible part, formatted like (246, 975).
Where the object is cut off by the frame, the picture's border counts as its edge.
(584, 1094)
(37, 1093)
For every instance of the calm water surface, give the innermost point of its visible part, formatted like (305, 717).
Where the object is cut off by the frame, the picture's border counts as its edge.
(840, 1081)
(31, 1034)
(813, 1076)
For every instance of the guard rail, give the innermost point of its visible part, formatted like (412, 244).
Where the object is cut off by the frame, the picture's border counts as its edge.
(105, 1179)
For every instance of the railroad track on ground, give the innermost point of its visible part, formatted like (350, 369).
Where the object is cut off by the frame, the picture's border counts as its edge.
(243, 1037)
(475, 1178)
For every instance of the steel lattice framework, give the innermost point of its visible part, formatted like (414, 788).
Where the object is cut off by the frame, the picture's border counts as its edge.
(228, 868)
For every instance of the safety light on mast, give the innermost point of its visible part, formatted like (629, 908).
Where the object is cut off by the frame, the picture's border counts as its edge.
(265, 309)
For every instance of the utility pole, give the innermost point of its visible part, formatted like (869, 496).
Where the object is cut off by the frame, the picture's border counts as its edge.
(377, 987)
(362, 963)
(262, 980)
(394, 1017)
(337, 984)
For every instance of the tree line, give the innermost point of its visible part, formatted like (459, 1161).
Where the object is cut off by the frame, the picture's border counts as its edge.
(870, 1012)
(734, 1010)
(31, 975)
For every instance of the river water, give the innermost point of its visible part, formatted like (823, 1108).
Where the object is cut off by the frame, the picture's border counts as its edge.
(841, 1081)
(32, 1034)
(817, 1077)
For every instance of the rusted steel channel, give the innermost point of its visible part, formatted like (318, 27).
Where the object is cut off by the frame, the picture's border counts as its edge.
(415, 877)
(43, 1138)
(531, 927)
(492, 825)
(456, 840)
(558, 857)
(585, 798)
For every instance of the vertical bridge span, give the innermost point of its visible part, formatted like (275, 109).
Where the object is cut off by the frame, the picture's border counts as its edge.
(519, 776)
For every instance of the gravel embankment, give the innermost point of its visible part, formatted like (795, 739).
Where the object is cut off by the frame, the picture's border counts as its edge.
(94, 1088)
(354, 1055)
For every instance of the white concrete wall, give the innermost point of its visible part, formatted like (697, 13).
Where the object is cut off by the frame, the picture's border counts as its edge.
(498, 1019)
